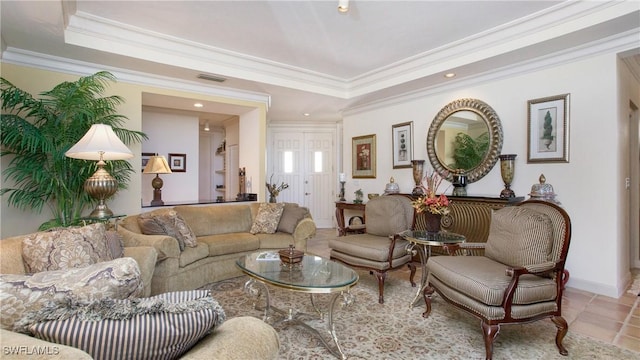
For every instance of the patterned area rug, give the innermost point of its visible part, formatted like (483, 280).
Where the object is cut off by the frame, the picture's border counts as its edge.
(368, 330)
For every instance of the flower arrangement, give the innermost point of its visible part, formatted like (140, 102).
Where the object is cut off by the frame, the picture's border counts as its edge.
(429, 201)
(274, 189)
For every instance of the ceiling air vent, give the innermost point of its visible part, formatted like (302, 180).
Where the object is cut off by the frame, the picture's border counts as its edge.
(212, 78)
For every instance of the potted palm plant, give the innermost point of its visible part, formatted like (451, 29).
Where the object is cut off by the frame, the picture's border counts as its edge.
(36, 133)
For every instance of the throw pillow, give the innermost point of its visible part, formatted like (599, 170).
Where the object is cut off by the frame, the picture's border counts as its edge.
(519, 236)
(22, 294)
(115, 244)
(161, 327)
(267, 219)
(65, 248)
(168, 222)
(291, 216)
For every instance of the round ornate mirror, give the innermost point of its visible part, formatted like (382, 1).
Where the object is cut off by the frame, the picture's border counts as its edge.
(465, 137)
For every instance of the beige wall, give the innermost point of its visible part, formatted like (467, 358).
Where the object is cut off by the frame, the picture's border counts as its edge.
(15, 222)
(590, 186)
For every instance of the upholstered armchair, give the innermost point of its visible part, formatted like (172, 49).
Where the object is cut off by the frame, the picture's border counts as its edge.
(379, 249)
(519, 278)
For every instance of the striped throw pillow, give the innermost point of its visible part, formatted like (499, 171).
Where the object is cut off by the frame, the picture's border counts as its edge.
(160, 327)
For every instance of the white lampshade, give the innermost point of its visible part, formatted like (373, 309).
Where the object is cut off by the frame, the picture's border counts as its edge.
(157, 164)
(100, 143)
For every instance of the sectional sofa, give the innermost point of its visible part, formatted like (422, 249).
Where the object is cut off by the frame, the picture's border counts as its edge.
(223, 233)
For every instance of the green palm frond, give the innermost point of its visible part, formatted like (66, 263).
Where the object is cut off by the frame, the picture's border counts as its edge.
(36, 133)
(469, 152)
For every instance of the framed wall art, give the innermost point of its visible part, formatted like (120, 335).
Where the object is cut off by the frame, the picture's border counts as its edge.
(145, 158)
(178, 162)
(363, 154)
(402, 135)
(548, 129)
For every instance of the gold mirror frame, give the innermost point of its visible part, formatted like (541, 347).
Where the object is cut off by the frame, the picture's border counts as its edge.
(492, 120)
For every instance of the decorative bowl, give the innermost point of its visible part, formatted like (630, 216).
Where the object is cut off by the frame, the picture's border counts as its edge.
(371, 196)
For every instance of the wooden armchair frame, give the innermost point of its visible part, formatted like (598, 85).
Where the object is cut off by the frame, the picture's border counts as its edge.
(554, 269)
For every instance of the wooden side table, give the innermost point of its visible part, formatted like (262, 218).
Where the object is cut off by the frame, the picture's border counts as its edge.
(343, 228)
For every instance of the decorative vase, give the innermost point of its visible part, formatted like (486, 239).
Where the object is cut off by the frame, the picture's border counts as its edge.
(272, 198)
(507, 169)
(432, 222)
(418, 167)
(459, 185)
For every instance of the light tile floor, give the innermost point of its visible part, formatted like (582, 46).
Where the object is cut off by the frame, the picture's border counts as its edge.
(615, 321)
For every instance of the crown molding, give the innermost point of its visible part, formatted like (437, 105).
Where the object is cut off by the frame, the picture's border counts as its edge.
(90, 31)
(546, 25)
(81, 68)
(93, 32)
(615, 44)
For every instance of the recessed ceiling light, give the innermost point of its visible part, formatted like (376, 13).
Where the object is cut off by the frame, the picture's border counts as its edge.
(449, 75)
(198, 105)
(306, 114)
(343, 6)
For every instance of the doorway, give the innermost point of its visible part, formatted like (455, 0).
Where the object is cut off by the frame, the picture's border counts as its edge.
(304, 160)
(633, 185)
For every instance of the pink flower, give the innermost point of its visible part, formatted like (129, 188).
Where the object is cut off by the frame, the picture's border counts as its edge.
(430, 202)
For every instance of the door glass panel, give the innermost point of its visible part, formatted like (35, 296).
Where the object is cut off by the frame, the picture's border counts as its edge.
(317, 166)
(288, 162)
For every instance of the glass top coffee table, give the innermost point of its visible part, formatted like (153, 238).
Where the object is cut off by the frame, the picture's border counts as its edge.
(422, 241)
(313, 275)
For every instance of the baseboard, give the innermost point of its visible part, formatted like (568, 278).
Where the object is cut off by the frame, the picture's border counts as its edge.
(600, 288)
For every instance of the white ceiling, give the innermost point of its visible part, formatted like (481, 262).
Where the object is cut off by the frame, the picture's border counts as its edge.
(308, 57)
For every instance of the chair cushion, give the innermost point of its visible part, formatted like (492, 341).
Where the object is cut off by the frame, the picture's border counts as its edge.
(519, 236)
(161, 327)
(21, 294)
(485, 280)
(65, 248)
(268, 217)
(386, 215)
(367, 246)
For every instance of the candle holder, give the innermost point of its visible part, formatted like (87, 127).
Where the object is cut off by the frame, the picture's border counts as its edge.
(342, 191)
(507, 169)
(418, 167)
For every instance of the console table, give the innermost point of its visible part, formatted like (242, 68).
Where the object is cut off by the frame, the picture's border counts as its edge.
(471, 215)
(344, 229)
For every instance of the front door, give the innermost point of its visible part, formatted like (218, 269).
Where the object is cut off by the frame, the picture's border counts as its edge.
(304, 161)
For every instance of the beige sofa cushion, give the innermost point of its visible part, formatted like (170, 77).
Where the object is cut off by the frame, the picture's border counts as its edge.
(65, 248)
(223, 244)
(216, 219)
(519, 236)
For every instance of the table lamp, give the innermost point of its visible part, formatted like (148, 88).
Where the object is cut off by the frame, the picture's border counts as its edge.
(157, 164)
(100, 143)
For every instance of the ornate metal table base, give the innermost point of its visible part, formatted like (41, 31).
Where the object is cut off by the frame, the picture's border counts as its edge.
(257, 288)
(424, 251)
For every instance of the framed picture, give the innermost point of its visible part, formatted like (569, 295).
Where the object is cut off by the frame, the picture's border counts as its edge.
(402, 135)
(363, 154)
(145, 159)
(178, 162)
(548, 129)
